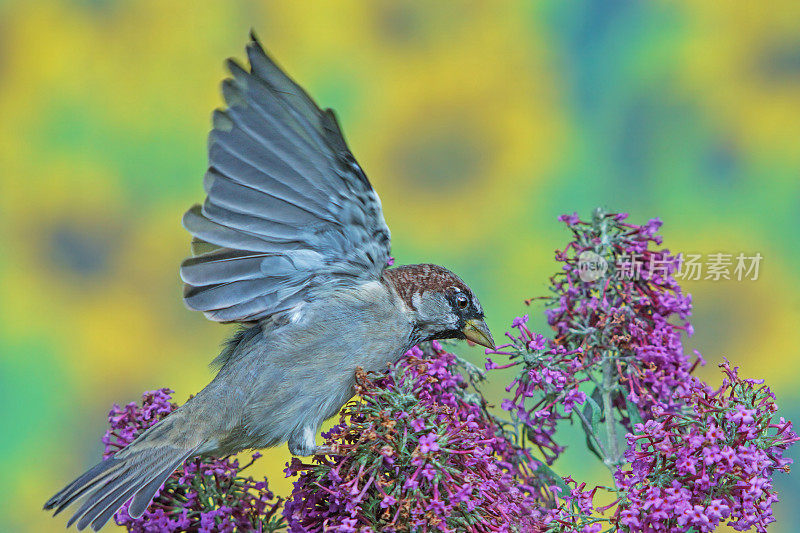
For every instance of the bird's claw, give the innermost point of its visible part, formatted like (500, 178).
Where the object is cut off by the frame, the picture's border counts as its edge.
(323, 450)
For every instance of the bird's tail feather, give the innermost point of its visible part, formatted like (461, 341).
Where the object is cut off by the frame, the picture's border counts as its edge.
(136, 472)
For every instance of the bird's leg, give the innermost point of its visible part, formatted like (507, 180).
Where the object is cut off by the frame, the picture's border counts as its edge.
(302, 442)
(324, 450)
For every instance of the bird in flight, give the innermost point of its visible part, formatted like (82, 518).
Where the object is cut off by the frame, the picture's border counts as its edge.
(292, 244)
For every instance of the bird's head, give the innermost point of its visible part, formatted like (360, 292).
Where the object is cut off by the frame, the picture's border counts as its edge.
(442, 306)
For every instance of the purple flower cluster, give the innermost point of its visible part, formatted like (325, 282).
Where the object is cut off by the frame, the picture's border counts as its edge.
(632, 317)
(697, 456)
(610, 329)
(202, 495)
(413, 454)
(713, 463)
(546, 389)
(616, 352)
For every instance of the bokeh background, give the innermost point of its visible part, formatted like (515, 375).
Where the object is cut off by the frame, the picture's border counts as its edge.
(478, 124)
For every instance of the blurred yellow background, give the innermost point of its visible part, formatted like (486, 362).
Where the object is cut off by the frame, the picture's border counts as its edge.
(478, 124)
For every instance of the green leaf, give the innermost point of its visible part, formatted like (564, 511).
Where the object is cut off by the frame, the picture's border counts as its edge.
(594, 414)
(633, 412)
(550, 473)
(592, 448)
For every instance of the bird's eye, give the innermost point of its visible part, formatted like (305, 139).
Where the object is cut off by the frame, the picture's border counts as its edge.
(462, 301)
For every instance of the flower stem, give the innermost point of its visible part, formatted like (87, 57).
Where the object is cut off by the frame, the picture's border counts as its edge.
(613, 457)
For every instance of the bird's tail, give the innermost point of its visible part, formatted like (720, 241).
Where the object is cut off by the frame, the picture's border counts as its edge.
(137, 471)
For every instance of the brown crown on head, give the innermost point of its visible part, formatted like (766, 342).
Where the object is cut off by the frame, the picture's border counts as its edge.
(409, 280)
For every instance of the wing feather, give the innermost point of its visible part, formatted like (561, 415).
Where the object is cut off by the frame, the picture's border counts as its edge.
(220, 235)
(289, 214)
(223, 266)
(269, 229)
(244, 199)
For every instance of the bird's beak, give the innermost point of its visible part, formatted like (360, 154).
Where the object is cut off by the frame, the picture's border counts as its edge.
(478, 332)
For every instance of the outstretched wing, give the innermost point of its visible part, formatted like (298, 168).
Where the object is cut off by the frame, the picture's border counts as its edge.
(288, 211)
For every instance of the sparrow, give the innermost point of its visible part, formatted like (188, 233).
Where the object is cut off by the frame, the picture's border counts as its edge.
(291, 243)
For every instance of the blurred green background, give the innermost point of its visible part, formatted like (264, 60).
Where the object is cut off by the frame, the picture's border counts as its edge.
(478, 124)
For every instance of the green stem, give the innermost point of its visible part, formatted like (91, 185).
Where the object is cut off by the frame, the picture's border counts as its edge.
(612, 460)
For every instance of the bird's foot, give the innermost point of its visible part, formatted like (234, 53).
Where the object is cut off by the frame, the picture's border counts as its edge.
(303, 444)
(324, 450)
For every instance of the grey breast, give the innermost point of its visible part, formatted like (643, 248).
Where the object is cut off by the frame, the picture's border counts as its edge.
(301, 372)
